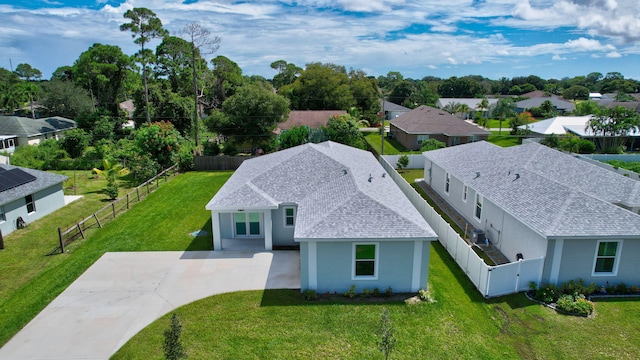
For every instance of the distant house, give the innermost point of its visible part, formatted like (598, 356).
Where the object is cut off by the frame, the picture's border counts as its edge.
(473, 104)
(28, 195)
(313, 119)
(538, 94)
(561, 106)
(559, 125)
(391, 110)
(425, 122)
(595, 96)
(32, 131)
(8, 143)
(535, 202)
(353, 225)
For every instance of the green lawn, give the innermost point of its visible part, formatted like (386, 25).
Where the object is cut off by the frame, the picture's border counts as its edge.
(163, 221)
(391, 147)
(504, 139)
(279, 324)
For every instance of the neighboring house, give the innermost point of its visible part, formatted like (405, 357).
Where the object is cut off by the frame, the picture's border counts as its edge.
(595, 96)
(8, 143)
(561, 106)
(353, 225)
(425, 122)
(559, 125)
(33, 131)
(313, 119)
(27, 194)
(629, 105)
(473, 105)
(538, 94)
(391, 110)
(536, 202)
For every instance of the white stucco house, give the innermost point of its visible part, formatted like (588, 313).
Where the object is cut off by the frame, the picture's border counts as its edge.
(27, 194)
(536, 202)
(352, 223)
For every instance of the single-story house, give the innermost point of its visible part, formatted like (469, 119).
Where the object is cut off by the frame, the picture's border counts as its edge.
(561, 106)
(313, 119)
(595, 96)
(558, 125)
(535, 202)
(28, 195)
(425, 122)
(473, 104)
(352, 223)
(391, 110)
(32, 131)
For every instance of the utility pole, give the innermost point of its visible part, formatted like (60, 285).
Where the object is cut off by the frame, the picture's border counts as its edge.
(382, 127)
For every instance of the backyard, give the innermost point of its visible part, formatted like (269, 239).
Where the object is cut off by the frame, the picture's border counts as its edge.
(280, 324)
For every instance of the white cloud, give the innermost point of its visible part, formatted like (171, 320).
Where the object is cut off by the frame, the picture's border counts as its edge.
(613, 54)
(557, 57)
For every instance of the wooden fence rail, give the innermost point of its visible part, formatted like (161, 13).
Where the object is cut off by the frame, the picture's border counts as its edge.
(108, 213)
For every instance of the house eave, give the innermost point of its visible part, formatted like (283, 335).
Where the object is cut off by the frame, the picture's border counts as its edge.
(364, 239)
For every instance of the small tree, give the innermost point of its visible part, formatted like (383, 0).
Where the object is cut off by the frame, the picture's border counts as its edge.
(173, 348)
(111, 172)
(387, 330)
(403, 162)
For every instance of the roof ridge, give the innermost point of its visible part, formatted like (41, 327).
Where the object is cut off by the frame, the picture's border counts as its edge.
(266, 196)
(565, 205)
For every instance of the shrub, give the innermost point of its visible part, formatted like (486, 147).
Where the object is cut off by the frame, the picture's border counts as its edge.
(388, 292)
(112, 190)
(575, 304)
(403, 162)
(366, 292)
(432, 144)
(547, 294)
(622, 289)
(376, 292)
(310, 295)
(425, 295)
(634, 289)
(351, 293)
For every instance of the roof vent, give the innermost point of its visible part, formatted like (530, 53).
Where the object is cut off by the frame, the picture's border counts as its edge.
(370, 177)
(384, 175)
(344, 171)
(517, 177)
(477, 174)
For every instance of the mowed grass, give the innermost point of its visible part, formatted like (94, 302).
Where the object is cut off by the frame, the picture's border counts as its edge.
(504, 139)
(30, 280)
(280, 324)
(391, 146)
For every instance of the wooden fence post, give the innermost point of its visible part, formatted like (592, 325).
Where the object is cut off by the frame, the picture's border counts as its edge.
(113, 208)
(61, 240)
(147, 188)
(81, 232)
(138, 193)
(127, 201)
(95, 215)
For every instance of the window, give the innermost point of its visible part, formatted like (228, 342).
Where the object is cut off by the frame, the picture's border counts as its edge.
(455, 140)
(474, 138)
(422, 138)
(247, 224)
(365, 261)
(606, 262)
(478, 213)
(289, 216)
(3, 217)
(465, 191)
(447, 182)
(31, 205)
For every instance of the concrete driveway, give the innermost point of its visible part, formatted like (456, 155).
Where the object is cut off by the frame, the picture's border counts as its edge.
(124, 292)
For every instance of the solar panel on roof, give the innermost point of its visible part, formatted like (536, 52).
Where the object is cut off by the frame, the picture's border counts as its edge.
(13, 178)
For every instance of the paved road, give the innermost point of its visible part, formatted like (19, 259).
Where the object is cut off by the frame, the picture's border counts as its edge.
(124, 292)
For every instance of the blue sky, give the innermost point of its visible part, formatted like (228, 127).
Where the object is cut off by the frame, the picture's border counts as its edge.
(493, 38)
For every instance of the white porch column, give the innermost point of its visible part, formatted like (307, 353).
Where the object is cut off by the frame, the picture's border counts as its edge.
(216, 233)
(268, 231)
(417, 266)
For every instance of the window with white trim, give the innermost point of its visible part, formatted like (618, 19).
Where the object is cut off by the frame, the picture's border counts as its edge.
(422, 138)
(365, 261)
(289, 216)
(607, 257)
(447, 182)
(31, 205)
(465, 192)
(478, 213)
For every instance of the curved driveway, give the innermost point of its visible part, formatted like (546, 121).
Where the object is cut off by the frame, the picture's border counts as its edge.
(124, 292)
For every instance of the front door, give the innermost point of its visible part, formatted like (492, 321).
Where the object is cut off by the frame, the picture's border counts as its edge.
(248, 224)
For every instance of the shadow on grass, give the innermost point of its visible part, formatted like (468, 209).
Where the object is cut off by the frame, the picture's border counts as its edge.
(456, 271)
(204, 241)
(293, 297)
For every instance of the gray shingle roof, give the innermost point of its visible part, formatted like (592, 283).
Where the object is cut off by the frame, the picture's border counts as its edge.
(43, 181)
(555, 194)
(536, 102)
(430, 120)
(330, 184)
(25, 127)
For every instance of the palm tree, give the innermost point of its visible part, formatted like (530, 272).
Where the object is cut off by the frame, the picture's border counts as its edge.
(452, 107)
(464, 108)
(504, 109)
(111, 171)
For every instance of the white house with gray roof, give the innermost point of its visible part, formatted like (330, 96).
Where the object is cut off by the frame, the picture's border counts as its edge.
(353, 225)
(27, 194)
(537, 202)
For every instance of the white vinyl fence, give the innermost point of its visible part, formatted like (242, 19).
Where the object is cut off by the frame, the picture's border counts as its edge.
(491, 281)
